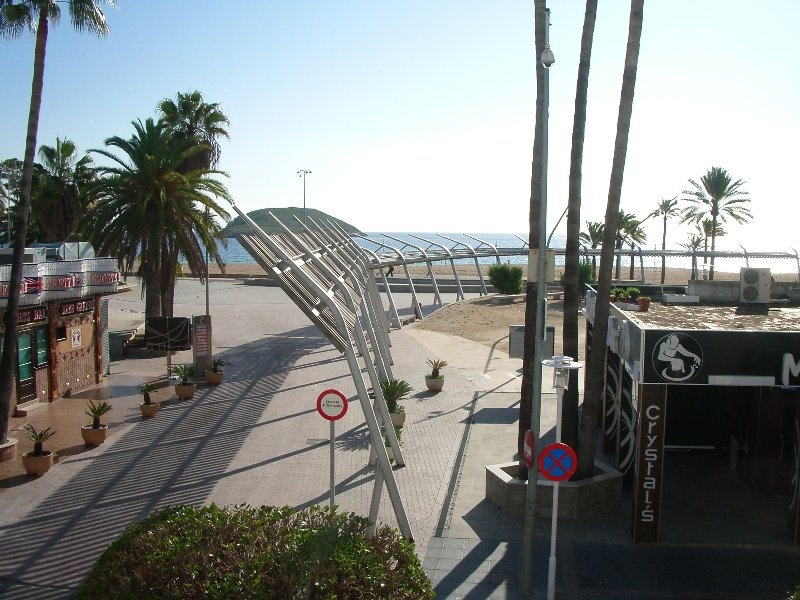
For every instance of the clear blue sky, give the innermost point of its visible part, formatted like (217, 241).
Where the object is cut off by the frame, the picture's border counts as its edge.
(418, 116)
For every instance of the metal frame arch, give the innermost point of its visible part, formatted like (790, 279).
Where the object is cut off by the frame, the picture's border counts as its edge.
(459, 289)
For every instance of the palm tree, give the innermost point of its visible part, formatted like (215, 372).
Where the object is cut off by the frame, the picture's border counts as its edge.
(627, 223)
(61, 196)
(666, 209)
(587, 438)
(144, 207)
(719, 197)
(202, 124)
(692, 244)
(635, 235)
(572, 291)
(593, 237)
(16, 17)
(705, 230)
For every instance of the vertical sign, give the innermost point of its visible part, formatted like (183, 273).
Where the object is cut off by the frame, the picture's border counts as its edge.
(332, 406)
(649, 477)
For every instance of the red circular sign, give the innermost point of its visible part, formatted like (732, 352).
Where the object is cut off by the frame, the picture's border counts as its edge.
(557, 462)
(332, 405)
(527, 448)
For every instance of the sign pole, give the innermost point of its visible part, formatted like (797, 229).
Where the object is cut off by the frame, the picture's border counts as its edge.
(551, 565)
(333, 484)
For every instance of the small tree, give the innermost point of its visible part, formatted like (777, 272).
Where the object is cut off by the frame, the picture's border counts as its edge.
(506, 278)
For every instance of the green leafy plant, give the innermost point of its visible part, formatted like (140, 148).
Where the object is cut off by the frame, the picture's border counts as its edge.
(585, 276)
(217, 364)
(616, 294)
(38, 437)
(644, 297)
(96, 411)
(506, 278)
(398, 432)
(144, 389)
(395, 390)
(184, 372)
(632, 293)
(436, 364)
(267, 552)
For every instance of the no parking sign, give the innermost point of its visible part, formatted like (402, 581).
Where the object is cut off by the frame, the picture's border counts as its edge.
(557, 462)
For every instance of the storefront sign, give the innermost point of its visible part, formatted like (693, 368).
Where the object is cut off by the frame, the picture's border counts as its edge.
(31, 315)
(103, 278)
(649, 465)
(58, 282)
(74, 307)
(704, 357)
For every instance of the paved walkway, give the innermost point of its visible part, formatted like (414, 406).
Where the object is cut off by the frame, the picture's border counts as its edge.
(257, 439)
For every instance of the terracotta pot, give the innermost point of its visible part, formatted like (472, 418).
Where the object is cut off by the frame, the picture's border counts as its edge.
(398, 419)
(94, 437)
(37, 465)
(435, 384)
(185, 392)
(213, 378)
(644, 305)
(149, 410)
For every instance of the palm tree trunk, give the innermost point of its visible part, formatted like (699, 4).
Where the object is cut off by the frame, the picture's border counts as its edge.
(592, 401)
(8, 360)
(531, 289)
(572, 291)
(632, 265)
(663, 248)
(713, 246)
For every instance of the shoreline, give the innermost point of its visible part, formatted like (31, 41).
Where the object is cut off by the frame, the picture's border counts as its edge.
(673, 275)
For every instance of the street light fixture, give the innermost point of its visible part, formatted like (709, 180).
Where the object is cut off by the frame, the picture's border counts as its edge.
(302, 173)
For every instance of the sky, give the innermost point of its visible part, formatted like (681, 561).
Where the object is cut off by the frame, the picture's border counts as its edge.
(419, 116)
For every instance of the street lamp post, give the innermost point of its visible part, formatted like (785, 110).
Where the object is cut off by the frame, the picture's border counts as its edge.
(302, 173)
(526, 575)
(562, 365)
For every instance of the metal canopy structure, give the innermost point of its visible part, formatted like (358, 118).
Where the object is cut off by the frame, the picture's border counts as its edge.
(327, 276)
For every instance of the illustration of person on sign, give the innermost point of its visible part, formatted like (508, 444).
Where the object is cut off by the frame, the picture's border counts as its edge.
(672, 351)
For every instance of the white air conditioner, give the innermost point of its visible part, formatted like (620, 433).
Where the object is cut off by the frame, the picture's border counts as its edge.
(754, 285)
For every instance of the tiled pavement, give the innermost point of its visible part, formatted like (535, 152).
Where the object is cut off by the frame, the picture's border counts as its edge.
(257, 439)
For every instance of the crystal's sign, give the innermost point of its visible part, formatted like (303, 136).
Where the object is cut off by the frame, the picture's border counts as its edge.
(790, 367)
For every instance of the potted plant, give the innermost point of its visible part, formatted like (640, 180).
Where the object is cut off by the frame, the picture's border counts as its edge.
(184, 389)
(38, 461)
(215, 373)
(435, 380)
(644, 303)
(633, 294)
(395, 390)
(148, 407)
(95, 433)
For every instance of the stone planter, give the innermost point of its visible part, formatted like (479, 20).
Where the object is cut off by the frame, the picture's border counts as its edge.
(434, 384)
(94, 437)
(398, 419)
(149, 410)
(8, 451)
(185, 392)
(37, 465)
(595, 495)
(214, 378)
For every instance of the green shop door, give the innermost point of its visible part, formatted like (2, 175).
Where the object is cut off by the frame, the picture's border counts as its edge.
(26, 384)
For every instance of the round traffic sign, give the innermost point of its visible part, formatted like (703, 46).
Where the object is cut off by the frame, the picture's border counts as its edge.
(557, 462)
(527, 448)
(332, 405)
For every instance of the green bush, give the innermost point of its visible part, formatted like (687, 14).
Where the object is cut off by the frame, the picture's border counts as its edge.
(267, 552)
(585, 276)
(506, 279)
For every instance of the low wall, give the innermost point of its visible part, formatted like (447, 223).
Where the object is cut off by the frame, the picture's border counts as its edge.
(596, 495)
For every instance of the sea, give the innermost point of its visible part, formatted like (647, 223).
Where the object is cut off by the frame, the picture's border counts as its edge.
(236, 254)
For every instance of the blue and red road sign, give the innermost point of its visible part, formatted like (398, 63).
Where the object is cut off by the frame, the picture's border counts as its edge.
(557, 462)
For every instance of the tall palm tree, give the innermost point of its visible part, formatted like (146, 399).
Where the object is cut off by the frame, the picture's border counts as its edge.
(705, 230)
(144, 207)
(593, 237)
(572, 291)
(61, 196)
(627, 224)
(635, 235)
(202, 124)
(587, 437)
(15, 17)
(719, 197)
(666, 209)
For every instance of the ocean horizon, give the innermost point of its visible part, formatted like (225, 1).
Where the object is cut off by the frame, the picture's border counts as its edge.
(236, 254)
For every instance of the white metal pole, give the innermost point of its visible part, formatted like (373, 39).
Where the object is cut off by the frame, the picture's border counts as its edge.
(333, 482)
(551, 566)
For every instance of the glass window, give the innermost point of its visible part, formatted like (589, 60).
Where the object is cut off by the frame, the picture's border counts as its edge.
(25, 357)
(42, 347)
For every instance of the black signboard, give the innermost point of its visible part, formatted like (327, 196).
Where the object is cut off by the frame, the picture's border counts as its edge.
(706, 357)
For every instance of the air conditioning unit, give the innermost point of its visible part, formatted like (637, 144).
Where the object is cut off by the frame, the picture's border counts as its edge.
(754, 285)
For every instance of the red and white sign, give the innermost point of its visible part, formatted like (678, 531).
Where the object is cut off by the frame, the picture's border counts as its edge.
(557, 462)
(332, 405)
(527, 449)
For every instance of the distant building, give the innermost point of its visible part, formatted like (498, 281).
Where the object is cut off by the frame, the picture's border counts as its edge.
(715, 370)
(61, 326)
